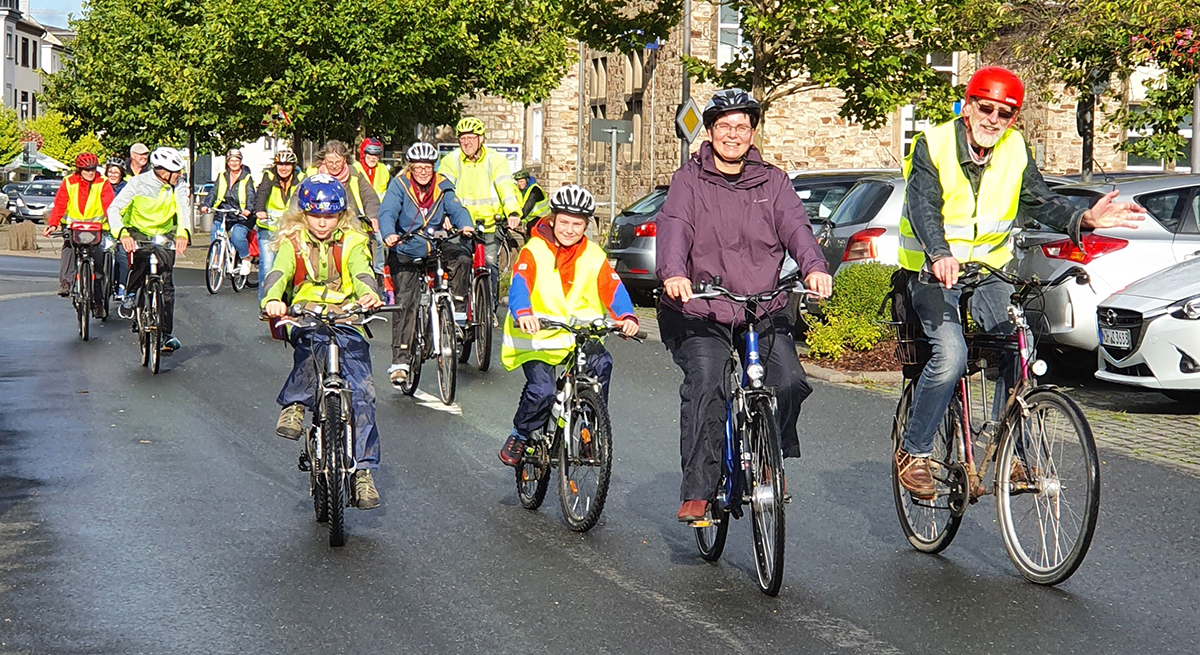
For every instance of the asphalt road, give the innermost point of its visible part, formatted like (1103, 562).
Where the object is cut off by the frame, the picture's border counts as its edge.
(143, 514)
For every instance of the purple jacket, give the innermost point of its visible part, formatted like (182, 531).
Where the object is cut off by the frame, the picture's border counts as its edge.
(708, 227)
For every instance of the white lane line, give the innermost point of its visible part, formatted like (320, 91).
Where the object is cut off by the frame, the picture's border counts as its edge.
(27, 294)
(433, 402)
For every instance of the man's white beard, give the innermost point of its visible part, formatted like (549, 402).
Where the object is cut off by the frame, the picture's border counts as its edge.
(984, 139)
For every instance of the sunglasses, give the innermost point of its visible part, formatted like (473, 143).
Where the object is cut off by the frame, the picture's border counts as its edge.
(1004, 113)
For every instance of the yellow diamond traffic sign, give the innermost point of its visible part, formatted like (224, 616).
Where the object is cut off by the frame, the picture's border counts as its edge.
(689, 120)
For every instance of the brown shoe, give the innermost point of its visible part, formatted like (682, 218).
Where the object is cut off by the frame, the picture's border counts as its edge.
(692, 510)
(915, 476)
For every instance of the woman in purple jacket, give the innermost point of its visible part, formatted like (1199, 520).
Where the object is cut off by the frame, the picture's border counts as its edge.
(729, 214)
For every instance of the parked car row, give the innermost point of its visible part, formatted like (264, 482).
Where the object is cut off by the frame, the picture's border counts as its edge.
(30, 201)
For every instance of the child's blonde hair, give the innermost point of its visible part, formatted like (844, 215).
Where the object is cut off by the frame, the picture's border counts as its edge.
(293, 223)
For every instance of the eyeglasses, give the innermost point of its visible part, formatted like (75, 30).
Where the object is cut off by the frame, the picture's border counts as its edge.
(1004, 113)
(723, 129)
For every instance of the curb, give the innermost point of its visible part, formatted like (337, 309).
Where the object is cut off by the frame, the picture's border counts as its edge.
(855, 377)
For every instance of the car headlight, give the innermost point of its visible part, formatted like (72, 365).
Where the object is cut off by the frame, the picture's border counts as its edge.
(20, 203)
(1187, 309)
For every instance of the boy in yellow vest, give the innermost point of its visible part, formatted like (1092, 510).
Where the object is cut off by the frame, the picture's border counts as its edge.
(559, 275)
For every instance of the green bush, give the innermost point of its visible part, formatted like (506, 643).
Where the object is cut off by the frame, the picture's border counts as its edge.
(852, 314)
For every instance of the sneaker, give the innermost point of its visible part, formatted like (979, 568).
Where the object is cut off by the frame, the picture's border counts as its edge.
(171, 345)
(291, 422)
(64, 290)
(512, 451)
(398, 373)
(692, 510)
(915, 475)
(365, 491)
(244, 268)
(128, 304)
(120, 295)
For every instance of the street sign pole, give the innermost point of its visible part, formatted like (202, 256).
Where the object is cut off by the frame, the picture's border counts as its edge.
(613, 133)
(612, 178)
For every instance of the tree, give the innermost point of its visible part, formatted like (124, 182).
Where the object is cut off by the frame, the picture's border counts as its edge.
(55, 129)
(10, 136)
(874, 52)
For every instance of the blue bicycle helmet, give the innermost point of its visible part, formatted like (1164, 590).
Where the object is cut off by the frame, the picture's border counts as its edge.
(322, 194)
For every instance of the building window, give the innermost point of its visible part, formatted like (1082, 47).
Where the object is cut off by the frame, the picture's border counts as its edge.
(729, 30)
(25, 52)
(635, 65)
(55, 65)
(599, 102)
(911, 121)
(536, 128)
(24, 105)
(33, 104)
(1182, 165)
(35, 54)
(633, 114)
(8, 45)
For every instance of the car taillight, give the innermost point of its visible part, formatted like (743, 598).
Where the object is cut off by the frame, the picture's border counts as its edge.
(647, 229)
(1094, 245)
(862, 244)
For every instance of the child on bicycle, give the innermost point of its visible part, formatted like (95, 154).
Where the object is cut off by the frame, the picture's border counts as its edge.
(559, 275)
(322, 260)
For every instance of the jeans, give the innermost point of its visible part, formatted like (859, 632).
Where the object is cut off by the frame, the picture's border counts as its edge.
(407, 279)
(239, 236)
(937, 307)
(533, 410)
(700, 347)
(122, 265)
(266, 259)
(301, 385)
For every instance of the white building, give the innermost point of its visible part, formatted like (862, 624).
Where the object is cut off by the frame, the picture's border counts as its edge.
(30, 50)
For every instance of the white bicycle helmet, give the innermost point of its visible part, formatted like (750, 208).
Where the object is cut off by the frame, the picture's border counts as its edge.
(167, 158)
(573, 199)
(422, 152)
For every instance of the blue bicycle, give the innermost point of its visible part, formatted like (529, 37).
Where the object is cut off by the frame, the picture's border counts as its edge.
(752, 466)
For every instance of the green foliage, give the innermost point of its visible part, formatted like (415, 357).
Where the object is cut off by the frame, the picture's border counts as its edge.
(852, 315)
(874, 52)
(10, 135)
(616, 26)
(55, 129)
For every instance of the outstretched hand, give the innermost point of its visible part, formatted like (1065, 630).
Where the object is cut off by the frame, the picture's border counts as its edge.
(1106, 213)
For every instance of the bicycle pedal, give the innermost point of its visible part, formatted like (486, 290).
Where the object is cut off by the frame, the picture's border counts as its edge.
(787, 498)
(305, 464)
(704, 523)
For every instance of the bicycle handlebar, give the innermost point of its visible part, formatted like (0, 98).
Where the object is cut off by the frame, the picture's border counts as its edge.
(354, 316)
(598, 327)
(973, 270)
(713, 289)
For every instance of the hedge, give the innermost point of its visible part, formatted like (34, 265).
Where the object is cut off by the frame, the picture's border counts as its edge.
(852, 315)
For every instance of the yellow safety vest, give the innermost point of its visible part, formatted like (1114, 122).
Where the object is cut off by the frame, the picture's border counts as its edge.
(93, 209)
(382, 177)
(548, 301)
(540, 208)
(223, 188)
(154, 216)
(978, 227)
(277, 203)
(350, 182)
(485, 187)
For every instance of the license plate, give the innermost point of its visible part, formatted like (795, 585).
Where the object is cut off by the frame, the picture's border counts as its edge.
(1115, 338)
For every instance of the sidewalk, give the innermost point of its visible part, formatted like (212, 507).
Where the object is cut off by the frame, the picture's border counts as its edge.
(51, 248)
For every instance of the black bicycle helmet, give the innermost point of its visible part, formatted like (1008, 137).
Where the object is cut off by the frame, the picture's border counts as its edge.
(573, 199)
(729, 100)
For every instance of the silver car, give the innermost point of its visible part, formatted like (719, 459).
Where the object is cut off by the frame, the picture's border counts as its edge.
(865, 227)
(1114, 258)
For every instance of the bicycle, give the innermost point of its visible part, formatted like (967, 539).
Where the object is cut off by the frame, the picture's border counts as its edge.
(481, 311)
(436, 333)
(1035, 480)
(328, 456)
(577, 438)
(147, 318)
(88, 289)
(506, 255)
(752, 462)
(222, 258)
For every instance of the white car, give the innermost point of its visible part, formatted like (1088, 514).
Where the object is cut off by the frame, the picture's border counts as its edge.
(1149, 333)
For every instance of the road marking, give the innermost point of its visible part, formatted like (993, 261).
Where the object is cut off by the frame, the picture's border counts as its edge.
(27, 294)
(433, 402)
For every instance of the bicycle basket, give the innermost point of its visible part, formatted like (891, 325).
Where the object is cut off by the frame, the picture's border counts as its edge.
(906, 336)
(85, 233)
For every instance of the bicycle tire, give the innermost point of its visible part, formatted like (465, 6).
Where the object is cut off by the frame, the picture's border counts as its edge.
(214, 266)
(416, 354)
(1036, 516)
(316, 480)
(583, 479)
(447, 358)
(484, 313)
(533, 476)
(108, 270)
(710, 539)
(83, 279)
(766, 496)
(929, 526)
(143, 333)
(154, 338)
(238, 282)
(331, 434)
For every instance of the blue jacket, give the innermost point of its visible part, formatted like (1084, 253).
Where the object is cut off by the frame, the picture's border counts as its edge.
(399, 213)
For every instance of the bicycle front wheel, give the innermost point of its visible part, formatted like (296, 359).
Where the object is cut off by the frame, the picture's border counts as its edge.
(1048, 487)
(713, 528)
(84, 308)
(214, 266)
(533, 474)
(585, 461)
(316, 477)
(108, 284)
(929, 525)
(154, 337)
(447, 356)
(484, 313)
(766, 495)
(335, 488)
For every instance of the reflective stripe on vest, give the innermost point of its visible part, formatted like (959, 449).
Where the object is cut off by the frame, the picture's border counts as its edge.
(380, 182)
(548, 301)
(93, 209)
(223, 188)
(540, 208)
(335, 286)
(977, 227)
(153, 215)
(475, 184)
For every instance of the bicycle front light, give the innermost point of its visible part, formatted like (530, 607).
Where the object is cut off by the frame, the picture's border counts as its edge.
(755, 372)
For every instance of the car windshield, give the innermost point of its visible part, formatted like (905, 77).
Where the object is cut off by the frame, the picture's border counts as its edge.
(648, 204)
(862, 203)
(821, 199)
(42, 188)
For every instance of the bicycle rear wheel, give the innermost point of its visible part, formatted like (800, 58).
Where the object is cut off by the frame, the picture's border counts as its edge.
(930, 525)
(238, 281)
(142, 323)
(484, 313)
(83, 280)
(766, 496)
(533, 474)
(335, 496)
(585, 461)
(447, 357)
(710, 538)
(108, 284)
(214, 266)
(1048, 487)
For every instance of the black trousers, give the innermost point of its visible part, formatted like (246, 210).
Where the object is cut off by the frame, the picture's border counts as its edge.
(407, 278)
(700, 347)
(137, 276)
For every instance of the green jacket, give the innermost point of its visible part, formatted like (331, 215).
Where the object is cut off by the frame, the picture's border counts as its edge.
(324, 283)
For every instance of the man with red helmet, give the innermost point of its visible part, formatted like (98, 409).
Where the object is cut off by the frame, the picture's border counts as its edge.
(967, 181)
(83, 196)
